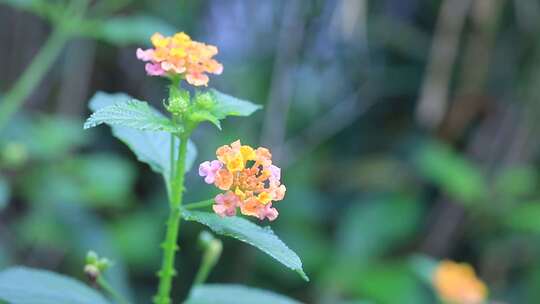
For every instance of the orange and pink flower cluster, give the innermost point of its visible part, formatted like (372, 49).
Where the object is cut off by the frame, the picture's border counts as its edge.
(250, 181)
(180, 55)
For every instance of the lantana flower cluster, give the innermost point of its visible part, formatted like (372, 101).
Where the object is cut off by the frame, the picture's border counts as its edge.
(458, 283)
(250, 181)
(179, 55)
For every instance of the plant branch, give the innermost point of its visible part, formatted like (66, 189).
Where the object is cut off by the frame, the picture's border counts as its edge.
(31, 77)
(200, 204)
(170, 246)
(433, 98)
(117, 297)
(212, 252)
(64, 29)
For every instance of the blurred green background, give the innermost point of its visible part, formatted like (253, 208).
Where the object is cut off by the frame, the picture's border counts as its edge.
(403, 127)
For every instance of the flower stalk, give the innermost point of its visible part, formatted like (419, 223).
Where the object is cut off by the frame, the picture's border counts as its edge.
(104, 285)
(212, 251)
(201, 204)
(176, 192)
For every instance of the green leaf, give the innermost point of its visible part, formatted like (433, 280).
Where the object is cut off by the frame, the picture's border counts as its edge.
(516, 182)
(371, 228)
(234, 294)
(203, 115)
(241, 229)
(524, 217)
(132, 113)
(132, 29)
(134, 229)
(456, 175)
(21, 285)
(214, 106)
(231, 106)
(150, 147)
(97, 180)
(389, 282)
(103, 179)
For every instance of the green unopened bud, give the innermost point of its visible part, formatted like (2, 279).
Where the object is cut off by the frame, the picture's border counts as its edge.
(103, 263)
(95, 265)
(205, 100)
(178, 101)
(91, 257)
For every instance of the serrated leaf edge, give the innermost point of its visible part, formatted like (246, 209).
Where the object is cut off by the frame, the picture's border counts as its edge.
(164, 123)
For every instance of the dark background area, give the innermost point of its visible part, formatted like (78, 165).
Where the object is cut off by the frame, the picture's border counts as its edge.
(403, 127)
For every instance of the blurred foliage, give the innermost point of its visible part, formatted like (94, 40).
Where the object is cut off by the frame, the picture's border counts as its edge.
(457, 176)
(133, 29)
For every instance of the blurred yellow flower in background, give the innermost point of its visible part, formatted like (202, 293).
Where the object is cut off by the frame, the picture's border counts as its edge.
(457, 283)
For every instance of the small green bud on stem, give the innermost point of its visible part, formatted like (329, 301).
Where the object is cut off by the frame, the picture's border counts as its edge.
(95, 265)
(178, 102)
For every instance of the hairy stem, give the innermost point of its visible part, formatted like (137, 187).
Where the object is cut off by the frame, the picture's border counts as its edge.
(170, 246)
(172, 168)
(31, 77)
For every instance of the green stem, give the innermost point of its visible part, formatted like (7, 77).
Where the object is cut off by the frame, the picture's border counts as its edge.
(170, 246)
(117, 297)
(31, 77)
(211, 256)
(172, 168)
(200, 204)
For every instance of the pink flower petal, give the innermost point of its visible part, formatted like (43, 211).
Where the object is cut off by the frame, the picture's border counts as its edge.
(269, 212)
(204, 168)
(215, 165)
(220, 210)
(154, 69)
(226, 204)
(145, 55)
(275, 172)
(209, 170)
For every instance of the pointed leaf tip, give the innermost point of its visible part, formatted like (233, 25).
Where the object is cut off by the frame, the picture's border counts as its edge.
(243, 230)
